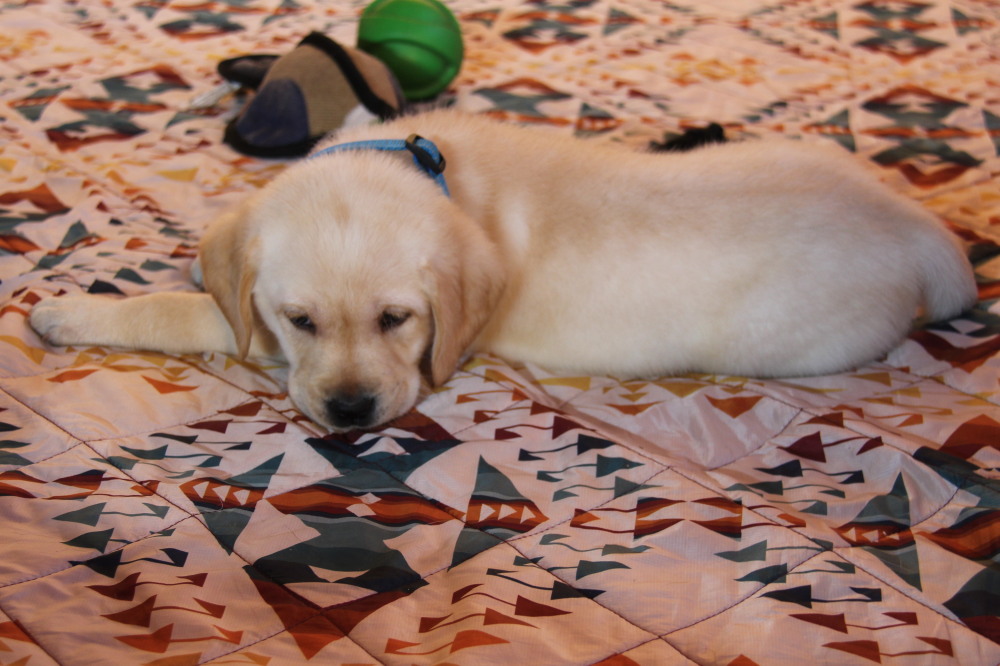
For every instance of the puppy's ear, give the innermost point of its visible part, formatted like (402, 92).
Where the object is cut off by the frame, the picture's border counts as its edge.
(467, 279)
(228, 264)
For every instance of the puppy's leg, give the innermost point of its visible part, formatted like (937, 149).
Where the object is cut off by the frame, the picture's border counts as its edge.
(175, 323)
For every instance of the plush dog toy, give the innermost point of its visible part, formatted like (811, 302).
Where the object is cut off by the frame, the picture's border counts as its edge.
(318, 87)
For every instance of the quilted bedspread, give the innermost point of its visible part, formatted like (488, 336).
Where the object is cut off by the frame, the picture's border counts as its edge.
(175, 510)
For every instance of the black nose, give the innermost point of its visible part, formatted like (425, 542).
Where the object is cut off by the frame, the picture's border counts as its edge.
(351, 409)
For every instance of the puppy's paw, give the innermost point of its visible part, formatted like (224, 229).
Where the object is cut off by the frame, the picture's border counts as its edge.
(69, 320)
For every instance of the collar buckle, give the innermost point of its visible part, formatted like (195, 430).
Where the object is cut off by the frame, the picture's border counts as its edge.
(425, 159)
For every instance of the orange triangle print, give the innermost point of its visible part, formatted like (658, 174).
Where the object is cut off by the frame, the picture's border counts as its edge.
(12, 631)
(582, 518)
(883, 378)
(16, 244)
(973, 435)
(41, 197)
(248, 409)
(396, 646)
(139, 615)
(836, 418)
(866, 649)
(735, 407)
(34, 353)
(681, 389)
(528, 608)
(474, 638)
(836, 621)
(942, 644)
(743, 660)
(72, 375)
(429, 623)
(634, 396)
(491, 616)
(167, 387)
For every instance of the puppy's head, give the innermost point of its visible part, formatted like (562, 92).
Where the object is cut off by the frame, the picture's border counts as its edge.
(370, 281)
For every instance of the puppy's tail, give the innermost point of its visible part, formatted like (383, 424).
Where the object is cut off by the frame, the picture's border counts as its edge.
(948, 281)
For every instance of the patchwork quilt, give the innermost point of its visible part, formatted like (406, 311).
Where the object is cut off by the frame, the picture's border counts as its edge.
(176, 510)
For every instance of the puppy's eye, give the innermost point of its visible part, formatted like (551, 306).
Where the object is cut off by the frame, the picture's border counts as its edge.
(302, 322)
(392, 319)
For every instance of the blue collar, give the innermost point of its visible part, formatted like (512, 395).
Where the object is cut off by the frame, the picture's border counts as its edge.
(426, 155)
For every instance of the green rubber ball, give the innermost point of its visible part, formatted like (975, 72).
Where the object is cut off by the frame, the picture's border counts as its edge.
(419, 40)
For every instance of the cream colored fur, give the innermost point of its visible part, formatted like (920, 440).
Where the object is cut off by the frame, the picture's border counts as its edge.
(758, 258)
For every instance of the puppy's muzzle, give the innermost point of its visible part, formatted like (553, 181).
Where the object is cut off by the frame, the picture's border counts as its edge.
(351, 409)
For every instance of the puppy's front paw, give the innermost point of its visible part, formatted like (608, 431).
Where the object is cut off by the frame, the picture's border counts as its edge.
(68, 320)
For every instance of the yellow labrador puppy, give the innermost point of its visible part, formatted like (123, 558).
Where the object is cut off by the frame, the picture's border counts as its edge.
(372, 274)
